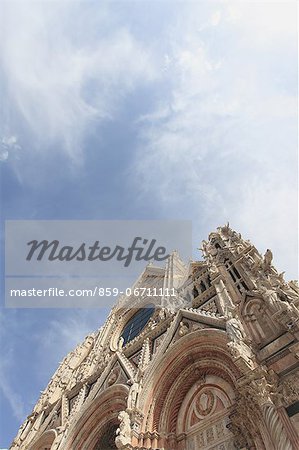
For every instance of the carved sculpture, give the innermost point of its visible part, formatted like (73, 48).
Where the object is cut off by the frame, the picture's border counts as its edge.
(245, 335)
(234, 328)
(238, 344)
(183, 328)
(287, 293)
(113, 377)
(133, 394)
(289, 390)
(271, 297)
(120, 343)
(268, 257)
(276, 303)
(123, 432)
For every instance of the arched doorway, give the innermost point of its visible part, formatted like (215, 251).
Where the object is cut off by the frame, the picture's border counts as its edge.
(204, 415)
(194, 394)
(97, 424)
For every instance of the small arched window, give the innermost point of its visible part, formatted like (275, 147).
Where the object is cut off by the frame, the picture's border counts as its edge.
(136, 324)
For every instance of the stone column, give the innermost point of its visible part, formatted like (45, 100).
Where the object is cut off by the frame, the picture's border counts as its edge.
(257, 388)
(293, 436)
(172, 442)
(276, 428)
(182, 441)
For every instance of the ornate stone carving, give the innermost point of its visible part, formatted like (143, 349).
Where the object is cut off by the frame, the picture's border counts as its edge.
(183, 328)
(268, 257)
(277, 303)
(287, 293)
(238, 345)
(78, 403)
(289, 390)
(120, 343)
(234, 328)
(205, 402)
(161, 367)
(113, 377)
(232, 239)
(145, 356)
(123, 432)
(133, 394)
(258, 386)
(241, 426)
(254, 391)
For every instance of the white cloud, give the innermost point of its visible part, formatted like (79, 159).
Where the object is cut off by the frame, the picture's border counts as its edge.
(7, 362)
(222, 145)
(215, 19)
(63, 335)
(13, 398)
(49, 344)
(66, 66)
(263, 22)
(269, 219)
(9, 144)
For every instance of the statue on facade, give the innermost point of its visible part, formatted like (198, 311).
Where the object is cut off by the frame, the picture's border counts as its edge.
(92, 363)
(238, 342)
(208, 250)
(113, 377)
(123, 432)
(268, 257)
(133, 394)
(225, 231)
(209, 253)
(183, 328)
(231, 238)
(287, 293)
(120, 344)
(234, 328)
(271, 297)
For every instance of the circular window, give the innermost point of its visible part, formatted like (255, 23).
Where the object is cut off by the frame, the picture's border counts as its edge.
(136, 324)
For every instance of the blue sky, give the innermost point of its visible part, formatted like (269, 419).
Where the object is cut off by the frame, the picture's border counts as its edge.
(141, 110)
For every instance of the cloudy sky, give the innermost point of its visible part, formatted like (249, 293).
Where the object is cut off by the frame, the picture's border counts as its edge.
(141, 110)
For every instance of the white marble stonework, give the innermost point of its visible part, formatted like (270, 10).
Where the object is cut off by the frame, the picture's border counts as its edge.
(215, 367)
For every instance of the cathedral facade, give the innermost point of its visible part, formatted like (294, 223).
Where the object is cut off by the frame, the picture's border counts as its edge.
(211, 363)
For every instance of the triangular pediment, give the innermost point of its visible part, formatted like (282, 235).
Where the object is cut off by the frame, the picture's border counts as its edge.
(188, 321)
(117, 374)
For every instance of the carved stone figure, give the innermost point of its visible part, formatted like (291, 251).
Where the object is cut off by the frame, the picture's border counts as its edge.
(113, 377)
(225, 232)
(123, 432)
(232, 239)
(162, 314)
(268, 257)
(286, 293)
(204, 248)
(234, 328)
(133, 394)
(208, 249)
(120, 343)
(93, 364)
(271, 297)
(183, 328)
